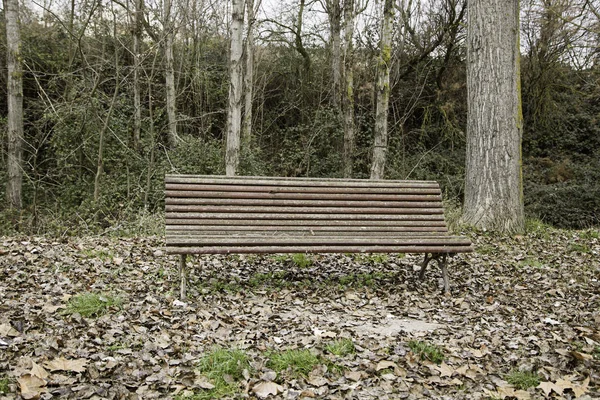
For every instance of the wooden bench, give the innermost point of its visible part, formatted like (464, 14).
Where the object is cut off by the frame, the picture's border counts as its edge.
(222, 215)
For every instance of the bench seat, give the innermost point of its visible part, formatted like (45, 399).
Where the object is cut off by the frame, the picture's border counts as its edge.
(223, 215)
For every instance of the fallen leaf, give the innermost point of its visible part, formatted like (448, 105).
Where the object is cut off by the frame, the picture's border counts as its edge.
(353, 375)
(384, 364)
(31, 386)
(546, 387)
(38, 371)
(444, 369)
(582, 356)
(580, 390)
(8, 331)
(265, 389)
(62, 364)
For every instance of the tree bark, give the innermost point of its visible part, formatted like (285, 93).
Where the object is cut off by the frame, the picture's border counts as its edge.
(348, 95)
(383, 93)
(15, 106)
(170, 76)
(137, 102)
(334, 14)
(234, 116)
(249, 75)
(493, 182)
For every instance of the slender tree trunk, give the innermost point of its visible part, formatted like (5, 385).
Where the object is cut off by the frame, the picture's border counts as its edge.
(348, 95)
(334, 13)
(102, 138)
(249, 75)
(15, 106)
(137, 102)
(170, 76)
(380, 145)
(493, 182)
(234, 115)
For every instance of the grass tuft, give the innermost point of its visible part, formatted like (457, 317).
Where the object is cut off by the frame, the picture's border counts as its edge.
(523, 379)
(341, 347)
(223, 368)
(297, 362)
(92, 304)
(427, 351)
(4, 385)
(301, 260)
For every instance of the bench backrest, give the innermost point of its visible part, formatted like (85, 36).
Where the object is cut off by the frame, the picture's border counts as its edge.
(349, 209)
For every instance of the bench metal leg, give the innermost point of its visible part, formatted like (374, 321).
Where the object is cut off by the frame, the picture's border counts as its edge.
(443, 263)
(182, 276)
(426, 261)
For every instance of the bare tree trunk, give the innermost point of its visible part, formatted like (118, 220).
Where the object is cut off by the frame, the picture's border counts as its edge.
(348, 95)
(380, 145)
(170, 75)
(137, 102)
(493, 183)
(334, 14)
(15, 106)
(234, 115)
(249, 75)
(102, 139)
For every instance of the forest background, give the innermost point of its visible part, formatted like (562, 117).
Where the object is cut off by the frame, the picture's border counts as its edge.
(84, 63)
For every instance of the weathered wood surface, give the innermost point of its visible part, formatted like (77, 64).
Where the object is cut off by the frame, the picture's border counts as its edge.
(219, 215)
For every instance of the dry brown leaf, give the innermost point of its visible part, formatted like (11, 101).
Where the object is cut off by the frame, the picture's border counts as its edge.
(62, 364)
(580, 390)
(265, 389)
(8, 331)
(547, 387)
(444, 369)
(353, 375)
(38, 371)
(384, 364)
(31, 386)
(581, 356)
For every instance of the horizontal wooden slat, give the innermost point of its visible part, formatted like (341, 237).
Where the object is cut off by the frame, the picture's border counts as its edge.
(323, 190)
(434, 220)
(172, 229)
(299, 203)
(278, 240)
(283, 216)
(318, 249)
(306, 210)
(307, 182)
(188, 197)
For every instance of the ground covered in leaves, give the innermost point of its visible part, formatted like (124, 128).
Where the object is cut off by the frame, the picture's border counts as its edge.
(100, 318)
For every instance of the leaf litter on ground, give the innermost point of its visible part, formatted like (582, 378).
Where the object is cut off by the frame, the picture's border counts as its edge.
(506, 313)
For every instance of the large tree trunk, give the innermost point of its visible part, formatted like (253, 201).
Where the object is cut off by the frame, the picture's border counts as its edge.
(249, 75)
(170, 75)
(15, 106)
(234, 115)
(348, 95)
(383, 93)
(493, 185)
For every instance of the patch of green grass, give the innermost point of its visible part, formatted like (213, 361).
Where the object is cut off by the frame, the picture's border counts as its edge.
(523, 379)
(297, 362)
(101, 254)
(341, 347)
(223, 368)
(485, 249)
(301, 260)
(4, 385)
(530, 262)
(426, 351)
(589, 234)
(538, 228)
(375, 258)
(92, 304)
(596, 352)
(579, 248)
